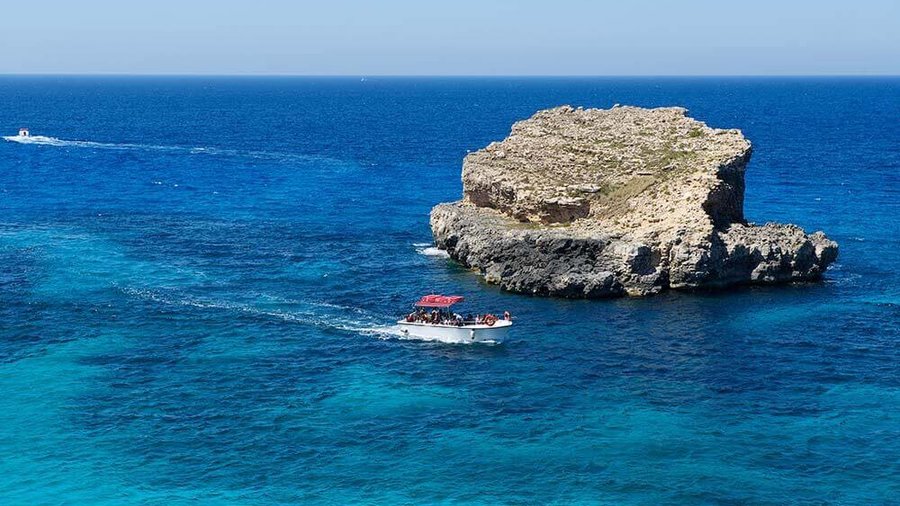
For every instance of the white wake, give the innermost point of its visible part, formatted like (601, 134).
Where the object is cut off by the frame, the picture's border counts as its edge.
(41, 140)
(315, 314)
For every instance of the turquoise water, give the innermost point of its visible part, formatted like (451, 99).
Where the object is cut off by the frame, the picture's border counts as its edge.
(198, 278)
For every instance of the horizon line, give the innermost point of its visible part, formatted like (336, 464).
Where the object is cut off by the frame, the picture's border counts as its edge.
(478, 76)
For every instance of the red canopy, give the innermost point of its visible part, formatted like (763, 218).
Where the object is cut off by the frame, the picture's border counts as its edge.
(439, 300)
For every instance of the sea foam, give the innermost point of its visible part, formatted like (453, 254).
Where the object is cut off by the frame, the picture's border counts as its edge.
(41, 140)
(309, 313)
(429, 250)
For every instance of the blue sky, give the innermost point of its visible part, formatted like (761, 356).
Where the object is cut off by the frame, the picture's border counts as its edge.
(462, 37)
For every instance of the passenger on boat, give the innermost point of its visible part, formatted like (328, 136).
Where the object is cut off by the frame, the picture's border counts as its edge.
(437, 317)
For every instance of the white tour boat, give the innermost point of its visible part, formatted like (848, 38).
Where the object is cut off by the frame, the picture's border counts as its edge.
(434, 321)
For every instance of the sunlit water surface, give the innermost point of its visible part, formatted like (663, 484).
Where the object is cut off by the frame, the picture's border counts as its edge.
(198, 279)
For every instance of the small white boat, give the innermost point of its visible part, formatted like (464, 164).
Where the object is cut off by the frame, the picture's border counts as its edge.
(433, 320)
(25, 137)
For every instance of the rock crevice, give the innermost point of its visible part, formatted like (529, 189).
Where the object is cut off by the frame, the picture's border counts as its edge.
(625, 201)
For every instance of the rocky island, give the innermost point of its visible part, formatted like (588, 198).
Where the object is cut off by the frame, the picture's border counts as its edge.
(624, 201)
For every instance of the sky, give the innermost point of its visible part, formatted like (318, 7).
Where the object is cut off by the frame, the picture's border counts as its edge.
(460, 37)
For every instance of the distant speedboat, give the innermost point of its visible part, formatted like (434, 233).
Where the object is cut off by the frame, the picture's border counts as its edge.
(433, 320)
(25, 137)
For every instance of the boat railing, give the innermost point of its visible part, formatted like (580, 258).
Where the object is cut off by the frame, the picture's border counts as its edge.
(463, 322)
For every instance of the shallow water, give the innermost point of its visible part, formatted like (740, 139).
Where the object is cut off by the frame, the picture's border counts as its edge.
(198, 278)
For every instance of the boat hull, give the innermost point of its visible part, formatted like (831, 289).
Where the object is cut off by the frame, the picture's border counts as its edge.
(467, 334)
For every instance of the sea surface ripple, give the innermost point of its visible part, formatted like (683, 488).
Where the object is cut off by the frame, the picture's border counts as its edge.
(199, 279)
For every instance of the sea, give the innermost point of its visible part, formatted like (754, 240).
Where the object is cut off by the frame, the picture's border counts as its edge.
(200, 279)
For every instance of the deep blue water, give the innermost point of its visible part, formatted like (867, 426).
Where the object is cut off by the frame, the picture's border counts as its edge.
(192, 304)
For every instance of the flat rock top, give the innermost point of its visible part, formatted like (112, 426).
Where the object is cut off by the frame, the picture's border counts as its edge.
(565, 164)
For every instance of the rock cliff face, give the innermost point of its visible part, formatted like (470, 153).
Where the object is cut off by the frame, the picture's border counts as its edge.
(625, 201)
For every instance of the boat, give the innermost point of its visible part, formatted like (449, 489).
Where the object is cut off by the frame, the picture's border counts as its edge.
(24, 137)
(434, 320)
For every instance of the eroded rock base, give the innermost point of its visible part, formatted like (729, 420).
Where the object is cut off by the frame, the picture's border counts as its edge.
(577, 263)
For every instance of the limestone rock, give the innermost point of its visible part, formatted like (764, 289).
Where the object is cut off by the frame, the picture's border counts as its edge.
(625, 201)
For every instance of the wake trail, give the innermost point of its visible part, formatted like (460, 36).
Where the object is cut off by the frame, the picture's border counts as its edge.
(314, 314)
(40, 140)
